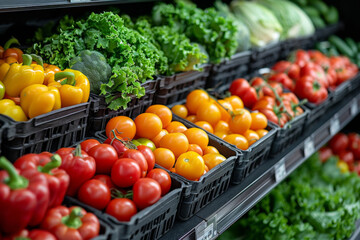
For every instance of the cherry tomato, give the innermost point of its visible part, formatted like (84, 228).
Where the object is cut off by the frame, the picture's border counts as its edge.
(205, 125)
(235, 102)
(194, 99)
(176, 127)
(222, 126)
(122, 209)
(195, 148)
(292, 69)
(251, 136)
(262, 132)
(208, 112)
(146, 192)
(146, 142)
(176, 142)
(347, 156)
(210, 149)
(163, 178)
(241, 122)
(225, 109)
(124, 127)
(105, 179)
(164, 157)
(94, 193)
(125, 172)
(105, 156)
(354, 144)
(163, 112)
(180, 110)
(118, 144)
(258, 121)
(149, 156)
(213, 159)
(197, 136)
(191, 118)
(158, 137)
(238, 140)
(339, 143)
(284, 79)
(148, 125)
(88, 143)
(220, 134)
(139, 158)
(190, 165)
(325, 153)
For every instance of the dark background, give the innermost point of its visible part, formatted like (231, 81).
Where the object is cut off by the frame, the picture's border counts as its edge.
(22, 24)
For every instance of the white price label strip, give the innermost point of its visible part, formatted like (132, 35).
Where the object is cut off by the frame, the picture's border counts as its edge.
(308, 147)
(334, 125)
(208, 233)
(354, 108)
(280, 170)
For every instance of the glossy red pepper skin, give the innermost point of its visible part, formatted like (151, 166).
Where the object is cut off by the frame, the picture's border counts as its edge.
(35, 234)
(64, 230)
(58, 180)
(80, 167)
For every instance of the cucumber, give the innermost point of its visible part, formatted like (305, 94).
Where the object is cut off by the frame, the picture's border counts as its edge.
(333, 52)
(311, 11)
(341, 46)
(323, 47)
(318, 22)
(320, 6)
(351, 43)
(332, 16)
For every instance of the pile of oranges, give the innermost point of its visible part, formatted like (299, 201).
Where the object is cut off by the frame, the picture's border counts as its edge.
(226, 118)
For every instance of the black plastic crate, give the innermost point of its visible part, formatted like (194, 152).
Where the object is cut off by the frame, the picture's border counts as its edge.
(288, 134)
(355, 83)
(289, 45)
(3, 127)
(316, 111)
(340, 91)
(324, 33)
(265, 56)
(47, 132)
(107, 232)
(151, 222)
(228, 70)
(99, 113)
(178, 86)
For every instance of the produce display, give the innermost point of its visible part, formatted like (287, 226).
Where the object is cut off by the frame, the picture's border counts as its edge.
(317, 201)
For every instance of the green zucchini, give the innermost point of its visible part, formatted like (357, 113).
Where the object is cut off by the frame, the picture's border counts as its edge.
(332, 16)
(320, 6)
(351, 43)
(341, 46)
(318, 22)
(311, 11)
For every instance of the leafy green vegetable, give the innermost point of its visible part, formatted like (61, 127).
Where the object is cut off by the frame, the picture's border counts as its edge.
(262, 23)
(206, 27)
(95, 67)
(294, 21)
(182, 55)
(133, 58)
(316, 202)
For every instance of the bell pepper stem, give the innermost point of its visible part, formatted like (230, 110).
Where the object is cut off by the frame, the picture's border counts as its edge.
(115, 193)
(37, 59)
(77, 151)
(10, 42)
(27, 59)
(55, 162)
(73, 220)
(22, 238)
(14, 181)
(70, 78)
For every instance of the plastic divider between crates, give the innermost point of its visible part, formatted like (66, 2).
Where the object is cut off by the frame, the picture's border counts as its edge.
(149, 223)
(99, 113)
(265, 56)
(176, 87)
(46, 132)
(107, 232)
(229, 69)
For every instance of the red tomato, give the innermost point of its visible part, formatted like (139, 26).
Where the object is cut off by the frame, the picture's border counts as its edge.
(239, 87)
(148, 154)
(284, 80)
(125, 172)
(301, 57)
(314, 70)
(118, 144)
(146, 192)
(310, 88)
(347, 156)
(163, 178)
(105, 179)
(105, 156)
(339, 143)
(122, 209)
(354, 144)
(139, 158)
(325, 153)
(291, 69)
(89, 143)
(94, 193)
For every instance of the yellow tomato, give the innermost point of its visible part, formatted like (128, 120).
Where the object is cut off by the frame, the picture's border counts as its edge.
(213, 159)
(190, 165)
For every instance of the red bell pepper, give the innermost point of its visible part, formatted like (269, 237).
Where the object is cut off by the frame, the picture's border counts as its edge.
(79, 165)
(71, 223)
(47, 163)
(316, 71)
(310, 88)
(17, 200)
(35, 234)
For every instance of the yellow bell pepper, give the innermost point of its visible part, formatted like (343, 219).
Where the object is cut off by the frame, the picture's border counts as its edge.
(4, 68)
(10, 109)
(49, 73)
(74, 87)
(20, 76)
(39, 99)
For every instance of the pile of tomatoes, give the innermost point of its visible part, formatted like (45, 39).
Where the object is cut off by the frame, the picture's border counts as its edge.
(175, 147)
(226, 118)
(347, 148)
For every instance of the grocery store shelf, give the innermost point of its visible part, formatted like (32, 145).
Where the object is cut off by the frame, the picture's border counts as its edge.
(219, 215)
(26, 5)
(356, 234)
